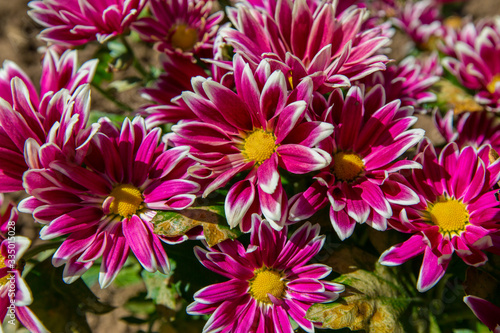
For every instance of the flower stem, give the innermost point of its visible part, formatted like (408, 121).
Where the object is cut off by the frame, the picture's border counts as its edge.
(137, 64)
(108, 96)
(40, 248)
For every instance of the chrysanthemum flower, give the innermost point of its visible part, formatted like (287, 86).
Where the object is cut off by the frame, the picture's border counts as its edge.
(362, 180)
(332, 50)
(269, 281)
(58, 115)
(255, 129)
(73, 22)
(15, 295)
(421, 20)
(477, 65)
(106, 207)
(409, 81)
(457, 213)
(472, 129)
(180, 26)
(485, 311)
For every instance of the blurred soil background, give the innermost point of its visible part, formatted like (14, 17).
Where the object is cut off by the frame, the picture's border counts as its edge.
(18, 43)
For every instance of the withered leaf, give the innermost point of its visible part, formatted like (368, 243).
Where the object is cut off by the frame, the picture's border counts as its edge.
(210, 218)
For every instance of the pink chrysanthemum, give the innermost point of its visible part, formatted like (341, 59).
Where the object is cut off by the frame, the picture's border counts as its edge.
(409, 81)
(106, 207)
(256, 129)
(477, 65)
(457, 212)
(269, 281)
(485, 311)
(303, 42)
(58, 115)
(181, 26)
(421, 20)
(74, 22)
(472, 129)
(15, 295)
(362, 180)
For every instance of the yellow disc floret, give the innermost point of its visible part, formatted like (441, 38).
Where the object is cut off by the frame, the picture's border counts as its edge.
(450, 215)
(183, 37)
(491, 86)
(259, 146)
(127, 200)
(267, 281)
(347, 166)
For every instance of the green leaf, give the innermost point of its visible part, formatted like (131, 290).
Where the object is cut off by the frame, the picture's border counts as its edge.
(61, 306)
(211, 218)
(129, 274)
(373, 300)
(95, 115)
(162, 290)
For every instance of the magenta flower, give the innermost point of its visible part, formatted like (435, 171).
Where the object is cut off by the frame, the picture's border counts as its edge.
(409, 81)
(477, 65)
(457, 212)
(269, 281)
(362, 181)
(332, 51)
(15, 295)
(73, 22)
(180, 26)
(472, 129)
(59, 115)
(485, 311)
(106, 207)
(421, 20)
(256, 129)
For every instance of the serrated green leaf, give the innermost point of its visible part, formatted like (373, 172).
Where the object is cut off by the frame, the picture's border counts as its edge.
(129, 274)
(373, 300)
(211, 218)
(162, 291)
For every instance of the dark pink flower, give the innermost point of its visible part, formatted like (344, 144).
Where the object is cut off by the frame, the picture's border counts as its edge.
(105, 207)
(74, 22)
(184, 27)
(269, 282)
(457, 212)
(331, 50)
(256, 129)
(362, 181)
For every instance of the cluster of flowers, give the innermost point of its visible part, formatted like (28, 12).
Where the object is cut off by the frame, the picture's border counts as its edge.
(286, 87)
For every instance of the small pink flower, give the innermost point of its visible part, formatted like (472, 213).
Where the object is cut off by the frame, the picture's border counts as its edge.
(476, 63)
(362, 181)
(184, 27)
(457, 212)
(269, 282)
(59, 115)
(106, 206)
(73, 22)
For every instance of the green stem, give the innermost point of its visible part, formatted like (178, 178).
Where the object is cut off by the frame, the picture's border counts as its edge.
(108, 96)
(40, 248)
(137, 64)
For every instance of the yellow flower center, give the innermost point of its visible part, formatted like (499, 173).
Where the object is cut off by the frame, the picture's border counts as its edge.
(5, 279)
(450, 215)
(267, 281)
(127, 200)
(183, 37)
(493, 83)
(259, 146)
(347, 166)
